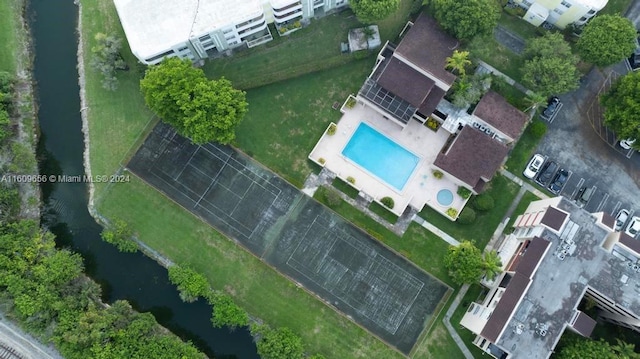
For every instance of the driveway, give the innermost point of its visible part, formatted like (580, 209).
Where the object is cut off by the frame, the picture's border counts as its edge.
(575, 143)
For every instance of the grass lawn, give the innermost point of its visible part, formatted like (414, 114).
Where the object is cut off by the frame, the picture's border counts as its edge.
(523, 151)
(503, 192)
(286, 119)
(514, 96)
(345, 188)
(487, 49)
(616, 7)
(472, 295)
(257, 288)
(383, 212)
(10, 12)
(527, 198)
(518, 26)
(314, 48)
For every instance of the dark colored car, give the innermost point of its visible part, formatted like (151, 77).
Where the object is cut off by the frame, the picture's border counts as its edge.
(559, 181)
(552, 107)
(546, 173)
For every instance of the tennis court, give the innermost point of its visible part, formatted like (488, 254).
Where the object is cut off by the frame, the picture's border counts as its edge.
(299, 237)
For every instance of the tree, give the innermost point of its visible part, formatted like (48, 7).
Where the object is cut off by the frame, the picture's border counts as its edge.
(107, 59)
(201, 109)
(550, 67)
(369, 11)
(226, 312)
(588, 349)
(466, 19)
(458, 61)
(279, 343)
(190, 283)
(606, 40)
(469, 90)
(492, 265)
(622, 107)
(464, 262)
(121, 236)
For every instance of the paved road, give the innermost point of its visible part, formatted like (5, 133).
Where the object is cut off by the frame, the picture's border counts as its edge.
(573, 142)
(22, 344)
(633, 13)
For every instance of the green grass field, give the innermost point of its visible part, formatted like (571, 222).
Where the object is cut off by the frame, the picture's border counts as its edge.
(503, 192)
(523, 151)
(10, 12)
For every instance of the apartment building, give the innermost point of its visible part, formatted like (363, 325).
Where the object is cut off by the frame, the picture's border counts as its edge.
(557, 255)
(199, 29)
(560, 13)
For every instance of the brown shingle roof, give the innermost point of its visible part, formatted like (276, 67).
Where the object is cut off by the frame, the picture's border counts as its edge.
(428, 47)
(631, 243)
(584, 324)
(433, 99)
(532, 256)
(497, 112)
(608, 220)
(554, 218)
(472, 157)
(505, 307)
(406, 82)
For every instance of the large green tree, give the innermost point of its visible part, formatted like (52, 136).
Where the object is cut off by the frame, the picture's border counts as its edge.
(622, 106)
(589, 349)
(466, 19)
(201, 109)
(550, 67)
(190, 283)
(464, 262)
(607, 39)
(279, 343)
(369, 11)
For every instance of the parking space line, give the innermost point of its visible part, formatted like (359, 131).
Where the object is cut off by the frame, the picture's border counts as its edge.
(580, 183)
(616, 208)
(565, 184)
(604, 200)
(553, 117)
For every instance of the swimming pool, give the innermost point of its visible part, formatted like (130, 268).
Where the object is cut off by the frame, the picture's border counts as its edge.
(380, 156)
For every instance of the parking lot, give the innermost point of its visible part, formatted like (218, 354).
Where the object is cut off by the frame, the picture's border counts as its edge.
(581, 145)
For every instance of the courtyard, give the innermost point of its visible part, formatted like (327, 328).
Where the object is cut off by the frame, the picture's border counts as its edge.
(418, 188)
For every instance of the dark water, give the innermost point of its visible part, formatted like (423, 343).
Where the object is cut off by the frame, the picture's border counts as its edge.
(133, 277)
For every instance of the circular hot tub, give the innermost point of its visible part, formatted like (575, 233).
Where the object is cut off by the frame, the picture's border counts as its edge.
(445, 197)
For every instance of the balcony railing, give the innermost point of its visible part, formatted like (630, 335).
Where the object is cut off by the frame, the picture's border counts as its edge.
(287, 9)
(287, 17)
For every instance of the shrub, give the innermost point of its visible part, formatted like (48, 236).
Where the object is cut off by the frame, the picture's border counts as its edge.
(538, 129)
(432, 124)
(190, 283)
(351, 102)
(332, 129)
(351, 180)
(361, 54)
(321, 160)
(437, 174)
(388, 202)
(464, 192)
(120, 235)
(452, 212)
(467, 216)
(226, 312)
(483, 202)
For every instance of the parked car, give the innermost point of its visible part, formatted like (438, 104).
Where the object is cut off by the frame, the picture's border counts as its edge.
(626, 144)
(584, 195)
(559, 181)
(546, 173)
(621, 219)
(633, 227)
(634, 59)
(552, 107)
(533, 167)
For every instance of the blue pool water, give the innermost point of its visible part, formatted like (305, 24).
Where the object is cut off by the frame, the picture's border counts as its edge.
(445, 197)
(380, 156)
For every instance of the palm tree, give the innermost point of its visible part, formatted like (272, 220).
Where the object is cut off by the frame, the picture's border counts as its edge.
(534, 100)
(492, 265)
(625, 350)
(458, 61)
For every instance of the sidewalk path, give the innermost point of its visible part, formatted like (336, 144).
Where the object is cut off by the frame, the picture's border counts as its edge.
(508, 79)
(523, 184)
(447, 323)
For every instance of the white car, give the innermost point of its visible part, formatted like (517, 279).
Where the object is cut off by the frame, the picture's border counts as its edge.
(533, 166)
(621, 219)
(626, 144)
(633, 227)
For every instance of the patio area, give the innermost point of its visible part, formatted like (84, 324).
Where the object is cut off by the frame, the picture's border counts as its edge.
(421, 188)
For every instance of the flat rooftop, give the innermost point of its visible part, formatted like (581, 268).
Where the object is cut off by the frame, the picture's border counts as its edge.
(154, 26)
(559, 285)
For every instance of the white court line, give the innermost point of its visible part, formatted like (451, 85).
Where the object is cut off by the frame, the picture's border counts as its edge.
(187, 164)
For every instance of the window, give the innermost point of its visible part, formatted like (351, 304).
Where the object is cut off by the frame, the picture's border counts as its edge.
(183, 49)
(527, 3)
(565, 3)
(227, 31)
(157, 57)
(558, 11)
(205, 38)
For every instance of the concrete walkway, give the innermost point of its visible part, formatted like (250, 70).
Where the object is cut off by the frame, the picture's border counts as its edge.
(447, 322)
(435, 230)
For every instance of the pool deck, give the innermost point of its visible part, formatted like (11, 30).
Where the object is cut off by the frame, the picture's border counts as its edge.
(421, 187)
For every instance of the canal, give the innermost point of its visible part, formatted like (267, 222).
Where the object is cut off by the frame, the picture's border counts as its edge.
(132, 277)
